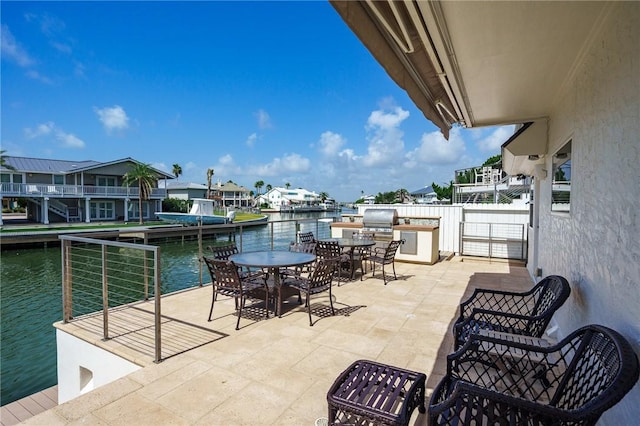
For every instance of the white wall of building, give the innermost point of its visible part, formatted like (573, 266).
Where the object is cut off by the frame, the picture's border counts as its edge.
(596, 245)
(83, 367)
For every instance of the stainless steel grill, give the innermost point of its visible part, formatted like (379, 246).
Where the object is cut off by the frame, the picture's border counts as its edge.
(381, 222)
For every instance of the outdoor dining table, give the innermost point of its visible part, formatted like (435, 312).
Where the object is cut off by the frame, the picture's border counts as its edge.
(351, 244)
(273, 260)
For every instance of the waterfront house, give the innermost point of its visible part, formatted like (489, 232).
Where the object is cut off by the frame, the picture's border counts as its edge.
(231, 194)
(566, 73)
(425, 195)
(285, 198)
(78, 191)
(186, 190)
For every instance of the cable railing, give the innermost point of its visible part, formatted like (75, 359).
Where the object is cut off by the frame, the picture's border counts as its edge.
(100, 275)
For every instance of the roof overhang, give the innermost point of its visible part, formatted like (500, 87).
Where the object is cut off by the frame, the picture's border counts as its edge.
(477, 63)
(525, 148)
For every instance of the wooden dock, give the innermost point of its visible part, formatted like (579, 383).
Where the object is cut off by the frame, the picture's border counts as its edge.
(25, 408)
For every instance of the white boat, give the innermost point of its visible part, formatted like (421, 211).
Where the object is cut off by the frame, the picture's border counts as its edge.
(201, 213)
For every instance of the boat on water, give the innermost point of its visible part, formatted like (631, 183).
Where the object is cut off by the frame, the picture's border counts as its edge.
(201, 213)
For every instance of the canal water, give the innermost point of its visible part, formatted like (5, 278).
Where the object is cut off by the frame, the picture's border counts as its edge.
(31, 301)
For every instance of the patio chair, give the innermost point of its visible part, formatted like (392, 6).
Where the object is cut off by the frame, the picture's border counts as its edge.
(570, 383)
(308, 247)
(227, 281)
(306, 237)
(332, 250)
(222, 252)
(385, 256)
(319, 281)
(361, 255)
(527, 313)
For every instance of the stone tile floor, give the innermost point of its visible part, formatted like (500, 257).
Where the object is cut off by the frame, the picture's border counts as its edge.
(278, 371)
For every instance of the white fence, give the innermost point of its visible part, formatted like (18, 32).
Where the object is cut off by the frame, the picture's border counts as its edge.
(451, 217)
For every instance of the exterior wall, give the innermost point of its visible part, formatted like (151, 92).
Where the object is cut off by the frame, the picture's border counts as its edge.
(83, 367)
(596, 246)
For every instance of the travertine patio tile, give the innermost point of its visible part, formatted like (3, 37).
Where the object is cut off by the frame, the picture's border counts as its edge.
(278, 371)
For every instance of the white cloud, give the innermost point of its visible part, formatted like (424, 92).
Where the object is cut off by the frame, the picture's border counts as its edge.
(330, 143)
(113, 118)
(264, 121)
(251, 140)
(385, 138)
(40, 130)
(292, 163)
(12, 50)
(435, 149)
(496, 138)
(35, 75)
(69, 140)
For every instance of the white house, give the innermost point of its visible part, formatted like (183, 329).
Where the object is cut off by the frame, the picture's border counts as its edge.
(567, 73)
(280, 197)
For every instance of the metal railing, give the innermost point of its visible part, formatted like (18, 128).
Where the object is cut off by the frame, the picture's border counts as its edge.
(31, 190)
(494, 240)
(99, 274)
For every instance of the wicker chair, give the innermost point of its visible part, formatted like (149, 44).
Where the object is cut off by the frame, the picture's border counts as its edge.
(318, 281)
(570, 383)
(226, 280)
(306, 237)
(527, 313)
(385, 256)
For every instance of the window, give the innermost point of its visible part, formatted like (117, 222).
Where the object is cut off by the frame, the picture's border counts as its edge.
(102, 210)
(58, 179)
(105, 181)
(133, 210)
(561, 180)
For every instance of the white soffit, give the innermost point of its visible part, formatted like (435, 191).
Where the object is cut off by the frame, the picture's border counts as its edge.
(525, 148)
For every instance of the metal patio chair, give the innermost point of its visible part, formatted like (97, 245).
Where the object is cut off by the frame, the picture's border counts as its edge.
(319, 280)
(385, 256)
(570, 383)
(526, 313)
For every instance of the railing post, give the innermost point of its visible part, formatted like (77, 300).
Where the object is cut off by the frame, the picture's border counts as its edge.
(105, 295)
(67, 278)
(158, 313)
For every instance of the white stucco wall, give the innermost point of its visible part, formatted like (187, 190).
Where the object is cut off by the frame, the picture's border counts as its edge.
(597, 245)
(83, 367)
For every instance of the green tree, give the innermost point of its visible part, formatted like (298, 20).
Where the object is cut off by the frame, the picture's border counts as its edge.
(287, 185)
(443, 192)
(3, 161)
(258, 185)
(269, 187)
(177, 170)
(145, 177)
(323, 196)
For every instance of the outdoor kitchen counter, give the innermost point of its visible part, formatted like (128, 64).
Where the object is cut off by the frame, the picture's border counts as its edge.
(421, 243)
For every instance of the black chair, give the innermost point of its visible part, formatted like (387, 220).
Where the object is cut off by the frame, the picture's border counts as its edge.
(308, 247)
(361, 255)
(318, 281)
(332, 250)
(570, 383)
(306, 237)
(226, 280)
(527, 313)
(222, 252)
(385, 256)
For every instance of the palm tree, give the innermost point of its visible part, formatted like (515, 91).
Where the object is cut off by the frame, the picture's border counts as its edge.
(269, 187)
(177, 170)
(324, 196)
(259, 184)
(209, 177)
(145, 177)
(287, 185)
(3, 161)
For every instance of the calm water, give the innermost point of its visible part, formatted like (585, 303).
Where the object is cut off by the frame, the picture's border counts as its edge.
(31, 300)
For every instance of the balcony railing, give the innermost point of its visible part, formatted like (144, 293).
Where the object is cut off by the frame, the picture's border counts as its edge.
(100, 275)
(26, 190)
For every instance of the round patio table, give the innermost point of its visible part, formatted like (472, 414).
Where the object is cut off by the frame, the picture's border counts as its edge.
(352, 244)
(273, 260)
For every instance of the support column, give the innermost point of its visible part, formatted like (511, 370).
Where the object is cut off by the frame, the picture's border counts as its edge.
(126, 209)
(87, 210)
(45, 210)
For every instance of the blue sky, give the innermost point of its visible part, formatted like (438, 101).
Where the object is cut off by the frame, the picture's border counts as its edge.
(281, 92)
